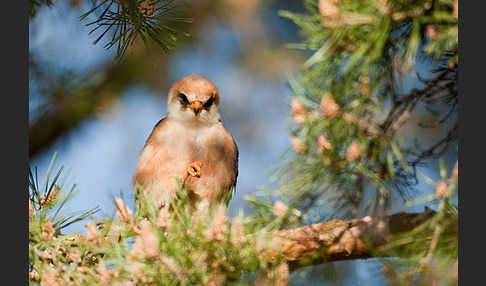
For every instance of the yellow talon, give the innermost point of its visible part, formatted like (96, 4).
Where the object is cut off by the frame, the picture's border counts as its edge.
(195, 169)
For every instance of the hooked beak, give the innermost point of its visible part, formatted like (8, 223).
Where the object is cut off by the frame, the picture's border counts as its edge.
(196, 106)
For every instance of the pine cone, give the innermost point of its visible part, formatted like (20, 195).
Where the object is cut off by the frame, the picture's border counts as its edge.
(279, 209)
(455, 10)
(298, 145)
(330, 12)
(323, 143)
(147, 8)
(431, 31)
(354, 151)
(441, 190)
(298, 111)
(455, 171)
(329, 106)
(365, 86)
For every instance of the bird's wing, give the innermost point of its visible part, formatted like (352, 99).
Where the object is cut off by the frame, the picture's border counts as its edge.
(230, 192)
(236, 162)
(137, 178)
(159, 124)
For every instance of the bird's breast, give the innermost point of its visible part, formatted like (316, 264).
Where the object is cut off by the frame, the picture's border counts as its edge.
(175, 147)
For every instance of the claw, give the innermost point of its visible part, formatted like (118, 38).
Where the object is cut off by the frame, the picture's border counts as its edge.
(195, 169)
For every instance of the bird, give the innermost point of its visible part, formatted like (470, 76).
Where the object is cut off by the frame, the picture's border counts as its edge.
(189, 147)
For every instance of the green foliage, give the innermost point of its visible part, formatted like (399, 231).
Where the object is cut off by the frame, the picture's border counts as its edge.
(351, 92)
(47, 201)
(153, 21)
(129, 19)
(431, 248)
(176, 245)
(355, 121)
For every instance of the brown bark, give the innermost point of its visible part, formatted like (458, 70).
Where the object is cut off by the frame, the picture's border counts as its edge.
(338, 239)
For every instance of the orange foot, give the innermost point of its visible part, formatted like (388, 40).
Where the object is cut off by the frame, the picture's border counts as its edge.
(195, 169)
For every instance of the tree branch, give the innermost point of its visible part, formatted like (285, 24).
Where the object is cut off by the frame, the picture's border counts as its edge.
(339, 239)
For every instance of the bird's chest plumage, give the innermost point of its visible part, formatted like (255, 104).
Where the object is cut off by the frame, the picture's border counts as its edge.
(182, 146)
(174, 146)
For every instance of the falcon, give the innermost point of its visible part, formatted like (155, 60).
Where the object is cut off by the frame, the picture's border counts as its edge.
(190, 146)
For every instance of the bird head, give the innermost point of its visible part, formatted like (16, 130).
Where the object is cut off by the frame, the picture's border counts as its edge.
(194, 99)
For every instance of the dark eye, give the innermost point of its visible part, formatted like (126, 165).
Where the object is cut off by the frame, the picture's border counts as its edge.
(208, 103)
(183, 99)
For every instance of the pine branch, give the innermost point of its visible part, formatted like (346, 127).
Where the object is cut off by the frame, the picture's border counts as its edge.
(410, 101)
(337, 240)
(126, 20)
